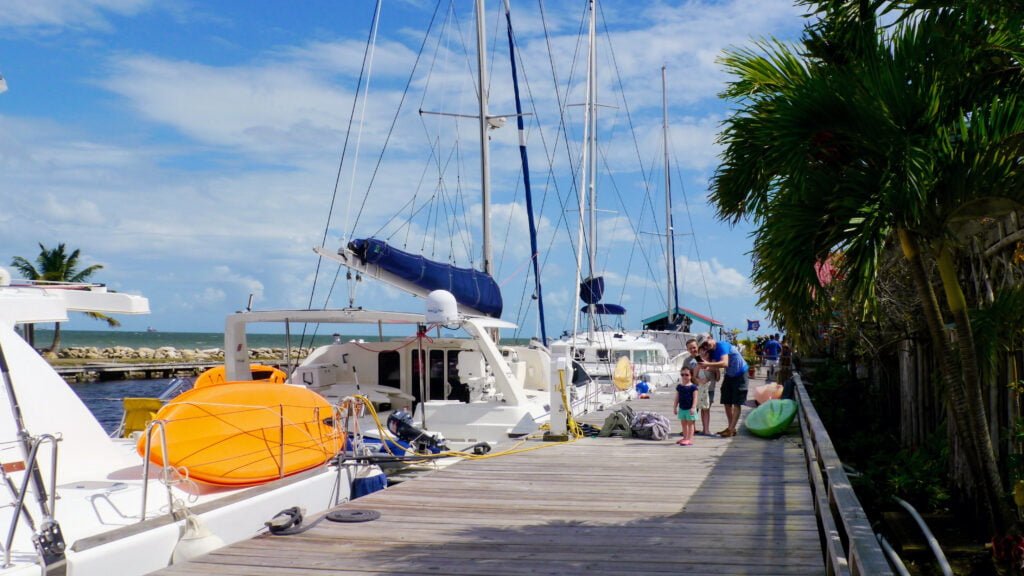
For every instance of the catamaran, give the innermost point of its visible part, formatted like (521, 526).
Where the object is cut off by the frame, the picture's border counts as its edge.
(80, 502)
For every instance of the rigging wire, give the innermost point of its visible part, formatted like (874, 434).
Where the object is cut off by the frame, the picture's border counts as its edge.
(394, 119)
(367, 55)
(693, 231)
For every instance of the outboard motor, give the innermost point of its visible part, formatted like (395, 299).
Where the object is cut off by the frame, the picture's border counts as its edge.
(400, 424)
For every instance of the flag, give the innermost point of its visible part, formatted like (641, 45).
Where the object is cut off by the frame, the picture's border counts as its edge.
(754, 325)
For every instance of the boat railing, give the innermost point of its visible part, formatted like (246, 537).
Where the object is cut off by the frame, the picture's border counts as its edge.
(31, 469)
(848, 540)
(165, 474)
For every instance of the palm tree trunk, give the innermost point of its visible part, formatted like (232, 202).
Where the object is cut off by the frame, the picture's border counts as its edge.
(993, 484)
(55, 345)
(964, 418)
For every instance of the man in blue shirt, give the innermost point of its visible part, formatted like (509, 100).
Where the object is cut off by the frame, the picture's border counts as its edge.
(734, 386)
(772, 350)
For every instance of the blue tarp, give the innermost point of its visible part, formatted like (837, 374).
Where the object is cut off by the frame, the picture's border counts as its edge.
(471, 288)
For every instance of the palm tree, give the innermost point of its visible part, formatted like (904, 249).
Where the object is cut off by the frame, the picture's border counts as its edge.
(875, 139)
(56, 265)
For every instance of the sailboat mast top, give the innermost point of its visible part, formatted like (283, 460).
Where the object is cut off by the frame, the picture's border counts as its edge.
(485, 151)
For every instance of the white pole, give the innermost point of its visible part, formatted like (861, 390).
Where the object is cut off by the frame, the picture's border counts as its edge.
(557, 422)
(485, 151)
(669, 263)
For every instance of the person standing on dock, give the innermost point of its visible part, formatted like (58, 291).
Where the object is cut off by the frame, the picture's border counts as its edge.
(685, 405)
(772, 350)
(705, 387)
(734, 386)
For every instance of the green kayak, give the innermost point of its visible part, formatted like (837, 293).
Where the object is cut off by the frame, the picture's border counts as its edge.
(771, 418)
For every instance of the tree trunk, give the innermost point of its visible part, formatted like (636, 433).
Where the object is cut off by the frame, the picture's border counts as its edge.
(55, 345)
(993, 484)
(952, 378)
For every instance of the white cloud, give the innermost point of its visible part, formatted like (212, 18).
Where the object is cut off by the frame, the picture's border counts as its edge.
(76, 210)
(721, 281)
(53, 15)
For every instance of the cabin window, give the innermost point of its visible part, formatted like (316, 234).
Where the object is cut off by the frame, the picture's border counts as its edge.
(621, 354)
(416, 363)
(437, 367)
(602, 354)
(389, 369)
(579, 354)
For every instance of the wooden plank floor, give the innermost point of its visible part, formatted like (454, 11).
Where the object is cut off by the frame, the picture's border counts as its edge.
(598, 506)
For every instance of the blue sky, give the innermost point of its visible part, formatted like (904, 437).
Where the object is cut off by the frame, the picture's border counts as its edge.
(192, 148)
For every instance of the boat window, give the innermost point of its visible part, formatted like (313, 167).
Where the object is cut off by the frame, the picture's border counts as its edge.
(579, 354)
(621, 354)
(645, 356)
(389, 369)
(437, 375)
(416, 362)
(456, 389)
(602, 354)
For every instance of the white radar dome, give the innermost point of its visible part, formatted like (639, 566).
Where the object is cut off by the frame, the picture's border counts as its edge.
(5, 277)
(442, 308)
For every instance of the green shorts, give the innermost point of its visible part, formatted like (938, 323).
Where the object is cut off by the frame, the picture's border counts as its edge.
(686, 414)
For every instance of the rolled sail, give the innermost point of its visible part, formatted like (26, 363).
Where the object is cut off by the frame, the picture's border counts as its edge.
(471, 288)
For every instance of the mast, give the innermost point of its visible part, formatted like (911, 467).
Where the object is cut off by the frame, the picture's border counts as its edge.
(485, 151)
(534, 254)
(592, 145)
(670, 257)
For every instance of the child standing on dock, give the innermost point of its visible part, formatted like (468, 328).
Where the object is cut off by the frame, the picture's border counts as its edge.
(685, 405)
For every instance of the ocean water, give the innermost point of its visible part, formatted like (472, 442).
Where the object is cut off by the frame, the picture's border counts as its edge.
(104, 398)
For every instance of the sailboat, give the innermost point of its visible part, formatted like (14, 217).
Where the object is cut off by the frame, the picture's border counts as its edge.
(615, 357)
(80, 502)
(674, 330)
(459, 390)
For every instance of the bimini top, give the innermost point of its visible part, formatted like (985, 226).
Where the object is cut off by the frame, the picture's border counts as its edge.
(472, 288)
(33, 302)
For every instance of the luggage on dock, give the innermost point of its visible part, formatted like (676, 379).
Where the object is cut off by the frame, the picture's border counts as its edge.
(650, 426)
(618, 423)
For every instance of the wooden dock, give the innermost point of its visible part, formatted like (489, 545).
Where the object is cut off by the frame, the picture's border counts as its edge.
(118, 371)
(600, 506)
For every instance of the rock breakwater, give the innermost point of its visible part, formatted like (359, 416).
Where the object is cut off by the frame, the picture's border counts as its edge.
(170, 354)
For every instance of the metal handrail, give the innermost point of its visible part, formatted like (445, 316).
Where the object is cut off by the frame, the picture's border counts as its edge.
(22, 493)
(933, 543)
(894, 558)
(165, 475)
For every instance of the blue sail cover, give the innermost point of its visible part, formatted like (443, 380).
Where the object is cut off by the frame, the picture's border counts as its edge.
(591, 290)
(610, 309)
(471, 288)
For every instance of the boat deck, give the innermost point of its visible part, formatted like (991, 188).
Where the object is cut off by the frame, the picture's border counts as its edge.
(740, 505)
